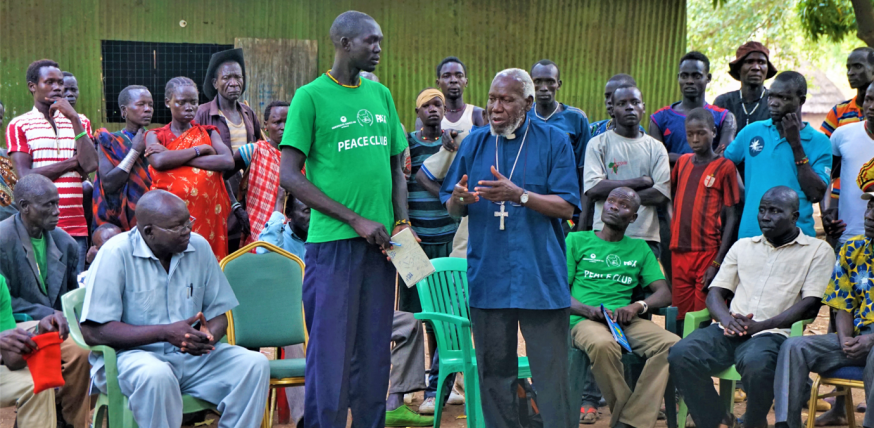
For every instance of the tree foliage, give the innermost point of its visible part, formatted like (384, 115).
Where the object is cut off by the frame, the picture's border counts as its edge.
(832, 19)
(718, 27)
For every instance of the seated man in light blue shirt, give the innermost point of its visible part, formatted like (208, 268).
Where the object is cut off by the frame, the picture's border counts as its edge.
(782, 151)
(288, 226)
(157, 295)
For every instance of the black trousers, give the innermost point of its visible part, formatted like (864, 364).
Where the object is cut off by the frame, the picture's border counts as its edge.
(495, 333)
(707, 351)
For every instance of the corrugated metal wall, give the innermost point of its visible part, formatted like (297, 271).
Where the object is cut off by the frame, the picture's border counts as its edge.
(589, 39)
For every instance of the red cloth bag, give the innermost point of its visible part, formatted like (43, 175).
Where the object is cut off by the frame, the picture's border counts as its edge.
(45, 362)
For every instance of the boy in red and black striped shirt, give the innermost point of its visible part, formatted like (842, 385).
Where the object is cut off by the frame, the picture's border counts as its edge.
(703, 186)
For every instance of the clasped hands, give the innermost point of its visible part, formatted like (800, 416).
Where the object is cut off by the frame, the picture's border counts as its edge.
(741, 325)
(623, 315)
(499, 190)
(189, 340)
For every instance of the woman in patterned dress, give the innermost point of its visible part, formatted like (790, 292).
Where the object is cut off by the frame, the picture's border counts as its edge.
(188, 160)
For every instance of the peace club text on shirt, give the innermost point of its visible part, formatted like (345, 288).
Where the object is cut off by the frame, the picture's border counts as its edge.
(364, 117)
(613, 261)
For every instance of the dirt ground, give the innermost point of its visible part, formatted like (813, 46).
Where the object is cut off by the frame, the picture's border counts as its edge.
(453, 416)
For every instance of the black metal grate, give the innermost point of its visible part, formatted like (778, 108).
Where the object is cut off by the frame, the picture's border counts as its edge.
(151, 65)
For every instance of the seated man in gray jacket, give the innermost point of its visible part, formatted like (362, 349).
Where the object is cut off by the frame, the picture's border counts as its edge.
(39, 263)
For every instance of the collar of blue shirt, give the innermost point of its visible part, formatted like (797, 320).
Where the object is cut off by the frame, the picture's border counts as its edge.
(807, 133)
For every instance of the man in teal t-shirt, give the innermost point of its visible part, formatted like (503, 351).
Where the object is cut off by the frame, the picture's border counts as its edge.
(604, 267)
(346, 130)
(16, 382)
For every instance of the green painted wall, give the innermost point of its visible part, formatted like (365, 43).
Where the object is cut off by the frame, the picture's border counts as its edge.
(589, 39)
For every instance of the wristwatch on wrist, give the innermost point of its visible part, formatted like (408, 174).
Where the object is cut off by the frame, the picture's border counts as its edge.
(524, 198)
(645, 307)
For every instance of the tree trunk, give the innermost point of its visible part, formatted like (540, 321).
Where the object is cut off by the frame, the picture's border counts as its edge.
(864, 10)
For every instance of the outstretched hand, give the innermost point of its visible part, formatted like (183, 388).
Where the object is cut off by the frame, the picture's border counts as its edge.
(461, 194)
(499, 190)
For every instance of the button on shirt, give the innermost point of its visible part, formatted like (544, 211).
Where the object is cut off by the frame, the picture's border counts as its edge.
(766, 281)
(769, 163)
(523, 266)
(127, 283)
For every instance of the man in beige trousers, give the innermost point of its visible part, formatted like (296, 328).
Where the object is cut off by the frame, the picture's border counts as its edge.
(604, 268)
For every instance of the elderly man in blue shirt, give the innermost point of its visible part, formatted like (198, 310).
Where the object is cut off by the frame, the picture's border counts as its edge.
(516, 181)
(157, 295)
(782, 151)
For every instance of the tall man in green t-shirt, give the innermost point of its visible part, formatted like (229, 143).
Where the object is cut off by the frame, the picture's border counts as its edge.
(604, 267)
(347, 131)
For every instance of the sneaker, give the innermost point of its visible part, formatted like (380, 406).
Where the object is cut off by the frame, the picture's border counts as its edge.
(408, 398)
(588, 416)
(405, 417)
(456, 398)
(427, 406)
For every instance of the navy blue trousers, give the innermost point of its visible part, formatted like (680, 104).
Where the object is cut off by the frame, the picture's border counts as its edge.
(348, 297)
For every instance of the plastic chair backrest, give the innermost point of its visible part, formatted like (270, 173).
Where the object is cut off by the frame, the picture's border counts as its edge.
(445, 292)
(72, 303)
(269, 288)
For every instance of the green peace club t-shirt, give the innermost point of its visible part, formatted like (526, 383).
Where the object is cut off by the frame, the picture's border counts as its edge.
(39, 254)
(7, 321)
(348, 136)
(601, 272)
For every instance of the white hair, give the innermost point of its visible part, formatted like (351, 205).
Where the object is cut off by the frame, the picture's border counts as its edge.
(520, 76)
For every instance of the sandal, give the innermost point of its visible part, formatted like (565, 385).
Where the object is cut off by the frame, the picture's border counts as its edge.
(588, 416)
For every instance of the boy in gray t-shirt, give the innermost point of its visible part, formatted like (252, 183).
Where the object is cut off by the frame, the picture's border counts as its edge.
(640, 163)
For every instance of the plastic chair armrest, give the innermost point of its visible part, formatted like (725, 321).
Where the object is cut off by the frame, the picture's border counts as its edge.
(434, 316)
(798, 327)
(694, 319)
(670, 314)
(21, 317)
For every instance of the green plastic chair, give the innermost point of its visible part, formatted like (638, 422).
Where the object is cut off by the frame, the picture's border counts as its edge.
(113, 405)
(21, 317)
(444, 299)
(633, 363)
(269, 288)
(728, 377)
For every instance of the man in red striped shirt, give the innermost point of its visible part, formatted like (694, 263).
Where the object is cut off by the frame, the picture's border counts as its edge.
(703, 186)
(52, 140)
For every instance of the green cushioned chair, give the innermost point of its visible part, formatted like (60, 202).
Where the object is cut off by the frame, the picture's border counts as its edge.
(269, 288)
(728, 377)
(113, 405)
(444, 299)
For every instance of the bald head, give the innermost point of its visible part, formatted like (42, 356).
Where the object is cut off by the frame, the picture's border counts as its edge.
(783, 196)
(104, 233)
(38, 202)
(349, 25)
(159, 207)
(32, 186)
(778, 215)
(627, 194)
(164, 223)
